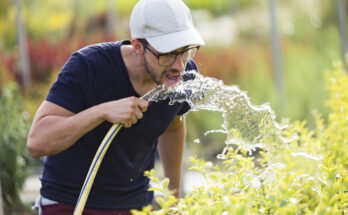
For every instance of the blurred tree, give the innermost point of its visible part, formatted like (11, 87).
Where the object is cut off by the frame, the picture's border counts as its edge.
(22, 44)
(74, 20)
(276, 50)
(329, 11)
(7, 26)
(14, 157)
(219, 7)
(342, 23)
(111, 16)
(5, 4)
(1, 208)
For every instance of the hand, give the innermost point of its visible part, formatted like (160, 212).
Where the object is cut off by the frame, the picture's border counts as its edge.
(126, 111)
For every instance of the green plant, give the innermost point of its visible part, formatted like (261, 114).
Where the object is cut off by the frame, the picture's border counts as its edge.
(14, 157)
(307, 176)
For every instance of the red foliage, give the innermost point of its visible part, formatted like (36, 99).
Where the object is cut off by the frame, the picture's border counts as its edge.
(9, 62)
(223, 64)
(46, 57)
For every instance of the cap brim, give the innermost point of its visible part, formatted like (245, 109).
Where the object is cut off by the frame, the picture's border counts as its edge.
(169, 42)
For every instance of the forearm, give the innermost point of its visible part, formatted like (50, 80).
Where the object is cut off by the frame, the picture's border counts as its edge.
(55, 129)
(171, 148)
(51, 134)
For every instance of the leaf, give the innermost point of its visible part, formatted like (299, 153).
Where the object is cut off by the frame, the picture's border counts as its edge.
(165, 183)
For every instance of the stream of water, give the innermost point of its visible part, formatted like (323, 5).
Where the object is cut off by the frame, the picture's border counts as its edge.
(246, 126)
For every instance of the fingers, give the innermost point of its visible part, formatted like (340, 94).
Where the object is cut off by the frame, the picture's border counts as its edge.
(127, 124)
(138, 113)
(137, 107)
(142, 105)
(126, 111)
(134, 117)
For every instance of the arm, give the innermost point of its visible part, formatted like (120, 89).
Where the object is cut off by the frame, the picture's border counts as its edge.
(171, 148)
(55, 129)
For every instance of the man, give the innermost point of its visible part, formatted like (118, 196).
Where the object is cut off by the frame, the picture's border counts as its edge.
(100, 85)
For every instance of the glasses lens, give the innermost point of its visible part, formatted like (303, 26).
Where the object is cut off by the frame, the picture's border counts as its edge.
(166, 60)
(190, 53)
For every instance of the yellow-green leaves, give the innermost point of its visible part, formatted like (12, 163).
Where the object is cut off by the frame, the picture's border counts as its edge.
(310, 176)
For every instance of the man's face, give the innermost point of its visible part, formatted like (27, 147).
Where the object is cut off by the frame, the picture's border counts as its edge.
(169, 75)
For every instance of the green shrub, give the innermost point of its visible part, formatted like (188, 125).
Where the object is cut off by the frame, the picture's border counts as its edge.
(308, 176)
(14, 157)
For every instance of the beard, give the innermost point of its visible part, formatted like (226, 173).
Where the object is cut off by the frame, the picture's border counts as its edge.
(152, 74)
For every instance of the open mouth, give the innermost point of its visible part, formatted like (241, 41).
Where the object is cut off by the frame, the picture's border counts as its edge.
(171, 79)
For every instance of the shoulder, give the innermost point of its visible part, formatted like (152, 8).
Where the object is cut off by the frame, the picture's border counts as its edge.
(191, 70)
(191, 65)
(99, 49)
(97, 56)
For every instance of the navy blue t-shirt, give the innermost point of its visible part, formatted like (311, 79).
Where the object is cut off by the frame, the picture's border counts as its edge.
(94, 75)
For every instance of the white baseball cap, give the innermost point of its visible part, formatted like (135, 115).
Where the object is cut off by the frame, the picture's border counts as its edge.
(165, 24)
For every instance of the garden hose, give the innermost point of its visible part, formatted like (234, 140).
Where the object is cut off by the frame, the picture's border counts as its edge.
(93, 169)
(98, 157)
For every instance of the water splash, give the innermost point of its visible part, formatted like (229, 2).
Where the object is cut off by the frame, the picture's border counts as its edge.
(247, 126)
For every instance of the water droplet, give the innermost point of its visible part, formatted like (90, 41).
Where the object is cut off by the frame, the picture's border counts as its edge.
(215, 131)
(308, 156)
(221, 156)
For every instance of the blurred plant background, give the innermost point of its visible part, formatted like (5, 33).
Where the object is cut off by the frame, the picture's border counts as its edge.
(37, 37)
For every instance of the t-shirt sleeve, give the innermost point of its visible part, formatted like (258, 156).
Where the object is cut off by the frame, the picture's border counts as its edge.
(67, 91)
(191, 65)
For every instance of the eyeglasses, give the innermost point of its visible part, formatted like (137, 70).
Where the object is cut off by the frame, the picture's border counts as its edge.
(168, 59)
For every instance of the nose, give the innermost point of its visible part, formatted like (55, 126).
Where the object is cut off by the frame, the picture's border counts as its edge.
(178, 63)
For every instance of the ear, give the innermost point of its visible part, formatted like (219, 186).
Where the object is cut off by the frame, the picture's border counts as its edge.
(137, 46)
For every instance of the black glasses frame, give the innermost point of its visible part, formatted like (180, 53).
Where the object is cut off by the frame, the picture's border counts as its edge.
(170, 53)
